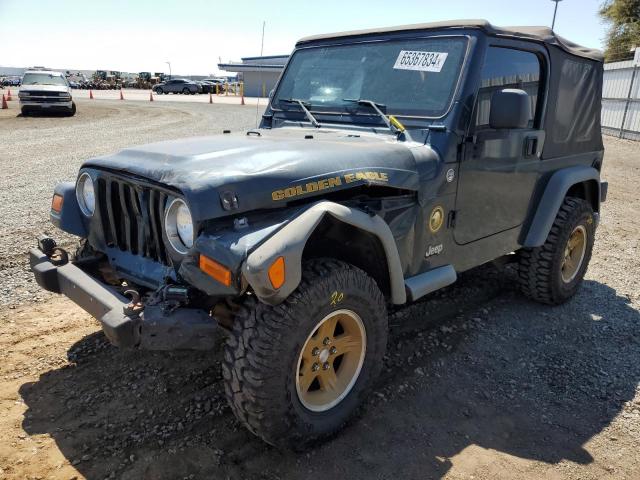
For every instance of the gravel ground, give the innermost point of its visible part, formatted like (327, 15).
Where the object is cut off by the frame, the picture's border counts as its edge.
(479, 383)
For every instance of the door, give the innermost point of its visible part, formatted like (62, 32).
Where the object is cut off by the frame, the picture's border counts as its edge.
(499, 167)
(174, 86)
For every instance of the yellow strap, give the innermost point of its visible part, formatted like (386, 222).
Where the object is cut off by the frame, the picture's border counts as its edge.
(396, 123)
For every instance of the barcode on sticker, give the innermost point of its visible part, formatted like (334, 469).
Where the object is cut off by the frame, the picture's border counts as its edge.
(421, 61)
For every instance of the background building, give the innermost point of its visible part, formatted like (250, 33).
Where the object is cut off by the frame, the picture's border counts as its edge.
(259, 74)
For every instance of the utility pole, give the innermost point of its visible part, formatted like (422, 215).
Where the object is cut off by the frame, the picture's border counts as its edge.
(555, 11)
(264, 23)
(169, 63)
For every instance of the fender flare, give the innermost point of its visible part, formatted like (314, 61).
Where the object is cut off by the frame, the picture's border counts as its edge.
(552, 198)
(290, 240)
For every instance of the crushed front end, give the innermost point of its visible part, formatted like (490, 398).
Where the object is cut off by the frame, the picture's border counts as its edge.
(151, 277)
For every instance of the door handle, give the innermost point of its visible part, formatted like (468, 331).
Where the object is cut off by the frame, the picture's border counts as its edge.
(530, 147)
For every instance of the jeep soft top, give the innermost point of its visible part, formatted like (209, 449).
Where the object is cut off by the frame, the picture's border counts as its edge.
(387, 162)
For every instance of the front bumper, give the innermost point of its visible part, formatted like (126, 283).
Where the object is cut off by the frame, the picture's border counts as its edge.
(47, 104)
(155, 328)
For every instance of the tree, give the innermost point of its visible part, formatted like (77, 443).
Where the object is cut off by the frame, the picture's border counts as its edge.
(623, 17)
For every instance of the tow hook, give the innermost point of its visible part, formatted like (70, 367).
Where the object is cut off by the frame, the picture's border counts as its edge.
(48, 246)
(59, 257)
(135, 306)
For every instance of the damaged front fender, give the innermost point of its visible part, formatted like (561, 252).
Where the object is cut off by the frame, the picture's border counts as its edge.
(230, 247)
(289, 242)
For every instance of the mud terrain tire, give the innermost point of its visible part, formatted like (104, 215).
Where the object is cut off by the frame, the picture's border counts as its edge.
(265, 354)
(540, 269)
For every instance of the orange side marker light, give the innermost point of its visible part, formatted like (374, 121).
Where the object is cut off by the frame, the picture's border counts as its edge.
(56, 203)
(216, 271)
(277, 273)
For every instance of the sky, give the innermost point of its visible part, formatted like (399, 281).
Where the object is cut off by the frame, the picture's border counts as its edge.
(138, 35)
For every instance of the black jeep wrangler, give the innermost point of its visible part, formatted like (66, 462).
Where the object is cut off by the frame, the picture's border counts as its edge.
(387, 162)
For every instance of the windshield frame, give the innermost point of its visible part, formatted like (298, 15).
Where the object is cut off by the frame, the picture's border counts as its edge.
(454, 93)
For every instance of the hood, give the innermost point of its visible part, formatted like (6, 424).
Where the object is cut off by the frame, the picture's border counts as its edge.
(44, 88)
(268, 168)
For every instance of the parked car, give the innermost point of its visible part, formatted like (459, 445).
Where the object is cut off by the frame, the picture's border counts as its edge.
(207, 87)
(219, 82)
(387, 162)
(11, 82)
(45, 90)
(178, 85)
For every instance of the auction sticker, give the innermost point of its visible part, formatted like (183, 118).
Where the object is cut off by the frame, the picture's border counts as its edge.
(420, 61)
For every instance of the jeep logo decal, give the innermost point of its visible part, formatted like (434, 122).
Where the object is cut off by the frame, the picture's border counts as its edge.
(434, 250)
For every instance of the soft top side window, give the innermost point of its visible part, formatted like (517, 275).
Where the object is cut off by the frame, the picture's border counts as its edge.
(507, 68)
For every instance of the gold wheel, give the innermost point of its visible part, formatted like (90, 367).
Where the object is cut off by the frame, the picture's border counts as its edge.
(330, 361)
(574, 253)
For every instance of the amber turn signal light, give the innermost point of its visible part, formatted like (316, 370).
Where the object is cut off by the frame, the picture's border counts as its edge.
(216, 271)
(56, 203)
(276, 273)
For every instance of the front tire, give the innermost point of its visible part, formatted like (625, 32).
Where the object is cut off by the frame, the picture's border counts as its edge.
(297, 372)
(553, 272)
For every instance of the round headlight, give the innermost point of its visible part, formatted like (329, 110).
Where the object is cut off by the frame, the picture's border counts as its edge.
(179, 226)
(85, 194)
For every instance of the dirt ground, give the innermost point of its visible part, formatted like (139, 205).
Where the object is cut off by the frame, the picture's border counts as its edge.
(479, 383)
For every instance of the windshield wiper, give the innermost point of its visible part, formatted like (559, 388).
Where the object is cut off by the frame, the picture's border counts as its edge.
(376, 106)
(303, 106)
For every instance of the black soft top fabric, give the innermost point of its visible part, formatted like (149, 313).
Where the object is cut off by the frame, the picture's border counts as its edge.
(574, 105)
(540, 34)
(572, 118)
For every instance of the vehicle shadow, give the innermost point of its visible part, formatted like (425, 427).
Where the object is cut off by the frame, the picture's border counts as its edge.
(43, 114)
(504, 375)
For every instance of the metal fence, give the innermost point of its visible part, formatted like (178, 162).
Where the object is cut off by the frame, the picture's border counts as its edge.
(621, 100)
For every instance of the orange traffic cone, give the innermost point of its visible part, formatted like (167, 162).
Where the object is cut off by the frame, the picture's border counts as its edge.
(121, 97)
(210, 98)
(91, 94)
(9, 96)
(151, 95)
(4, 103)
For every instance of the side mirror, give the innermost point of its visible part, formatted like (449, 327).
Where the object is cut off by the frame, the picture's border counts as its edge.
(271, 92)
(510, 108)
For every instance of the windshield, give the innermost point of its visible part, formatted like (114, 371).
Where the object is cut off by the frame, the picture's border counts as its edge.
(413, 77)
(43, 79)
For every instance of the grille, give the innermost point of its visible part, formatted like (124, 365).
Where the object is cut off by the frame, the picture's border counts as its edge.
(45, 93)
(132, 218)
(45, 99)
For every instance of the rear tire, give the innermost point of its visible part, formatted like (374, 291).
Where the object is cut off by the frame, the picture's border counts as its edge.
(553, 272)
(284, 380)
